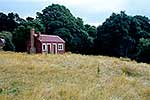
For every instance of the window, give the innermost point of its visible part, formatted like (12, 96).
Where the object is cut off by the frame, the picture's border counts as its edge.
(60, 46)
(44, 47)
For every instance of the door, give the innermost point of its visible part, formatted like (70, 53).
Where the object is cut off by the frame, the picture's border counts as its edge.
(49, 48)
(54, 48)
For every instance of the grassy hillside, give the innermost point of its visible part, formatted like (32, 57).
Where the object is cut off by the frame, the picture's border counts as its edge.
(72, 77)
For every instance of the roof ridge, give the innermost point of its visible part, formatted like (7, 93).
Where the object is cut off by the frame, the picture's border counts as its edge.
(48, 35)
(45, 37)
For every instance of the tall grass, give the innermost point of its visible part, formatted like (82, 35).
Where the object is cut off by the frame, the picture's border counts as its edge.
(72, 77)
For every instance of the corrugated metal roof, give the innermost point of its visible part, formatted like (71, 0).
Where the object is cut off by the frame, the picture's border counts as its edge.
(50, 38)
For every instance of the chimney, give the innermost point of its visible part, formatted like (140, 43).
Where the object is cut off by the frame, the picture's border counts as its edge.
(32, 49)
(39, 34)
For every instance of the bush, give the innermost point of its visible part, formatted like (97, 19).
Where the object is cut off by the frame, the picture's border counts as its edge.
(9, 46)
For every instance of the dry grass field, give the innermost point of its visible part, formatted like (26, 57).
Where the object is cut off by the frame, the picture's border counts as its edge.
(72, 77)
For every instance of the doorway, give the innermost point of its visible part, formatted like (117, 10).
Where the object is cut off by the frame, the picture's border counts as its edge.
(54, 47)
(49, 48)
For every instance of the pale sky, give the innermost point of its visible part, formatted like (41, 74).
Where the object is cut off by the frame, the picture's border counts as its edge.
(93, 12)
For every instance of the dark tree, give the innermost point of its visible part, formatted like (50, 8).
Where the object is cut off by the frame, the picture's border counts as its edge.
(22, 33)
(120, 35)
(8, 22)
(144, 50)
(9, 46)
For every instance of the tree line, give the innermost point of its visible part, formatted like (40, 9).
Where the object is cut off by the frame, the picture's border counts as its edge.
(120, 35)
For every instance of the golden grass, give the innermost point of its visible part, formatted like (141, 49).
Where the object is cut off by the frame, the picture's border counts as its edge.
(72, 77)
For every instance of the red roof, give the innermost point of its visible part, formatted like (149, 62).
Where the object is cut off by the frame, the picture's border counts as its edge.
(50, 38)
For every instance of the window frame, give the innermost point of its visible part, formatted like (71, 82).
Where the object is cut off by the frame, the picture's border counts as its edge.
(44, 47)
(60, 46)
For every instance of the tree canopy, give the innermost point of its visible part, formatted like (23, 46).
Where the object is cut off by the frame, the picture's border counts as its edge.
(21, 35)
(123, 35)
(58, 20)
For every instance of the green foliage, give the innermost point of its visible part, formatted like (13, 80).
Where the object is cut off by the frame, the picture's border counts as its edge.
(8, 22)
(9, 46)
(91, 30)
(114, 35)
(120, 35)
(21, 34)
(144, 50)
(13, 91)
